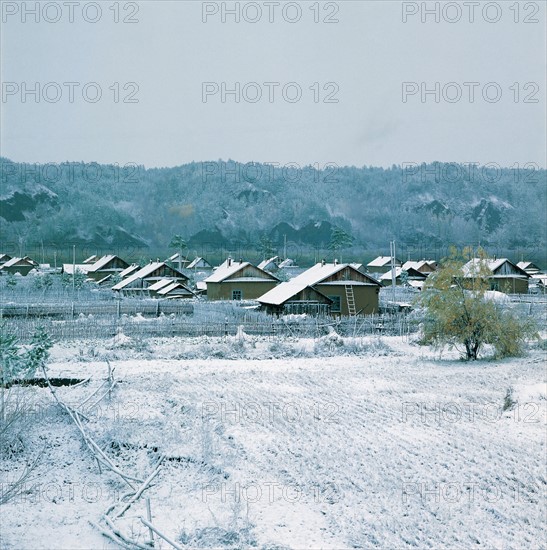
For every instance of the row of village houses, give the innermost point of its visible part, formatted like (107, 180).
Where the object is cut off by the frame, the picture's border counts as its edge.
(338, 288)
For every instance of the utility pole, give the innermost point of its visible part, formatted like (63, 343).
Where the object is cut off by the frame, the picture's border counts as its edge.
(284, 247)
(73, 269)
(393, 277)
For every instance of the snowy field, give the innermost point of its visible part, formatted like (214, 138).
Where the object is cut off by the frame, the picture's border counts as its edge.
(393, 447)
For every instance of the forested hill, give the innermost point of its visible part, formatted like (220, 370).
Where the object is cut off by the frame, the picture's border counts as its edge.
(226, 202)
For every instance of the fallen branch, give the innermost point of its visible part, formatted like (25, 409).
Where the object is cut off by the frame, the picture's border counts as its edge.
(142, 488)
(160, 534)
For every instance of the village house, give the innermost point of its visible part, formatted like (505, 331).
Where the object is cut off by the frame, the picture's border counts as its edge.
(69, 269)
(17, 265)
(140, 281)
(238, 281)
(334, 288)
(271, 264)
(133, 268)
(199, 263)
(410, 276)
(100, 270)
(178, 261)
(423, 266)
(530, 267)
(382, 264)
(167, 288)
(4, 258)
(506, 276)
(106, 267)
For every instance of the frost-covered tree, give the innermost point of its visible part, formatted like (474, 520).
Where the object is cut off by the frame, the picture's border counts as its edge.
(461, 311)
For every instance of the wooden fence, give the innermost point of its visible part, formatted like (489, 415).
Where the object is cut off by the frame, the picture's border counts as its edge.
(180, 325)
(72, 310)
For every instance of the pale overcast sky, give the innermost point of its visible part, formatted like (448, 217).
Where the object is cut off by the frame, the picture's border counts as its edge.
(169, 52)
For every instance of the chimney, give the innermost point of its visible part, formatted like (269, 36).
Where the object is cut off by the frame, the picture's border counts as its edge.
(240, 260)
(335, 261)
(229, 261)
(322, 262)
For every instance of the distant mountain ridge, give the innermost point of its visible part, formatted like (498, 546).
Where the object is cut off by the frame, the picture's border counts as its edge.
(146, 207)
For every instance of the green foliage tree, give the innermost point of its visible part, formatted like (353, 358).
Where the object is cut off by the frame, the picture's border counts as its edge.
(459, 311)
(339, 240)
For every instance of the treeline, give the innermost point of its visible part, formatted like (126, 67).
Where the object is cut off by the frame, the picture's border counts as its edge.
(228, 203)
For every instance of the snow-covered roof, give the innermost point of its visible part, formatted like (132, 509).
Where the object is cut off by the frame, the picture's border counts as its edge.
(175, 258)
(416, 284)
(4, 257)
(418, 264)
(160, 284)
(69, 268)
(92, 259)
(100, 263)
(472, 267)
(128, 270)
(140, 274)
(15, 261)
(309, 278)
(412, 272)
(528, 266)
(174, 285)
(196, 261)
(201, 285)
(387, 276)
(281, 293)
(381, 261)
(225, 270)
(265, 263)
(287, 263)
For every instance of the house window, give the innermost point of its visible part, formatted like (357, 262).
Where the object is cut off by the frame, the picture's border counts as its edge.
(336, 306)
(237, 294)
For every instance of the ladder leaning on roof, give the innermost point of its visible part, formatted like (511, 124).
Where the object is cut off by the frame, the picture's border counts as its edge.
(350, 298)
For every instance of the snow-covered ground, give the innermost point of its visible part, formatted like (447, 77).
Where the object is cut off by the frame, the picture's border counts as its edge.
(393, 448)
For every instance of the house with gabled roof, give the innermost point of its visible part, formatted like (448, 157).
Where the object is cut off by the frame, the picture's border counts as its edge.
(168, 288)
(140, 281)
(17, 265)
(106, 266)
(339, 289)
(179, 261)
(506, 276)
(382, 264)
(4, 258)
(176, 290)
(530, 267)
(92, 259)
(423, 266)
(404, 276)
(199, 263)
(133, 268)
(271, 264)
(239, 281)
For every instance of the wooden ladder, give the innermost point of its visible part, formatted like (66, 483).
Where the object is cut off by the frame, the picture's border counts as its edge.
(350, 298)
